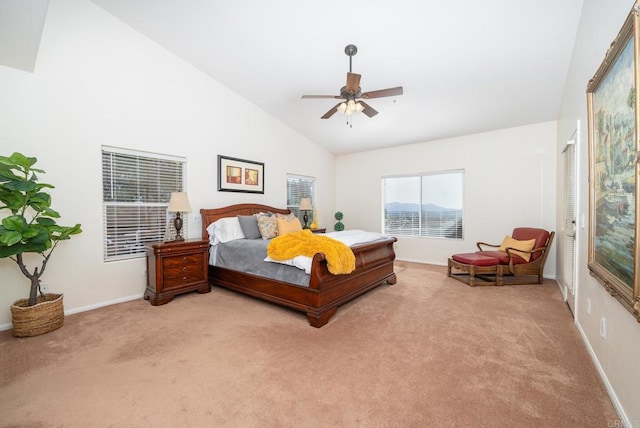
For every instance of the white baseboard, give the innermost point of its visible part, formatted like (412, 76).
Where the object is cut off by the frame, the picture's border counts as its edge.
(612, 393)
(422, 262)
(88, 308)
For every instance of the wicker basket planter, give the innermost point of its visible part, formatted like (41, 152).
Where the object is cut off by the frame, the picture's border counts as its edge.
(45, 316)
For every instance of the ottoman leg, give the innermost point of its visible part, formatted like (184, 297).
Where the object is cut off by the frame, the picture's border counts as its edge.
(472, 273)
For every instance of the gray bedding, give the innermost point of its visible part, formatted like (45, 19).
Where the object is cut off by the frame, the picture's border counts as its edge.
(247, 255)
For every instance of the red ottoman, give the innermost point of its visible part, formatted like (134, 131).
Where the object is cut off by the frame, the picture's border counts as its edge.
(475, 269)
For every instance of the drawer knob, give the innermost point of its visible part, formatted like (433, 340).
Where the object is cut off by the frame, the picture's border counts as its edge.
(184, 269)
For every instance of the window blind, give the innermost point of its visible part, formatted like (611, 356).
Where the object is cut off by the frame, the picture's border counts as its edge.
(136, 192)
(299, 187)
(425, 205)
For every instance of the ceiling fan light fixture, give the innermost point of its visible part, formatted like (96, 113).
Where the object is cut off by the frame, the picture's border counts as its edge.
(349, 107)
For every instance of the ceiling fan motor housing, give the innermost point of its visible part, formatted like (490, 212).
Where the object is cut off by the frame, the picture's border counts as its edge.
(348, 95)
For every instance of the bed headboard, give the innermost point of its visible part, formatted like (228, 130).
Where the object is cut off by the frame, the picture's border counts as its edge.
(209, 215)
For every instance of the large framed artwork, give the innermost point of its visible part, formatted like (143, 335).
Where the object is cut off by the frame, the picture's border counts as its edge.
(613, 109)
(240, 175)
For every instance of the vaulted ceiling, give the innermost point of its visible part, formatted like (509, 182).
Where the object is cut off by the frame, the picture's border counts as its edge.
(465, 66)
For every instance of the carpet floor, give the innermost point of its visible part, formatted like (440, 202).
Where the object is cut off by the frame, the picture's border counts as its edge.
(428, 351)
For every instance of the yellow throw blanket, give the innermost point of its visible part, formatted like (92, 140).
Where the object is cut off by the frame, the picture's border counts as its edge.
(340, 258)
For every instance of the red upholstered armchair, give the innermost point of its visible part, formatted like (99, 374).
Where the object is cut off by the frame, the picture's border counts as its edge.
(522, 263)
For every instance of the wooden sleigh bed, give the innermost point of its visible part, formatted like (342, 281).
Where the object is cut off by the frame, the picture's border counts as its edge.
(320, 300)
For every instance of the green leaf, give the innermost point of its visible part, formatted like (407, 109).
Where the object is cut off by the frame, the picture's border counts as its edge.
(45, 221)
(30, 232)
(66, 232)
(14, 223)
(7, 174)
(43, 236)
(23, 161)
(12, 250)
(41, 198)
(10, 238)
(37, 247)
(20, 186)
(50, 213)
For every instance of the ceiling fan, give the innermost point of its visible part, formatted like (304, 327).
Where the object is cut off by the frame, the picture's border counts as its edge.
(353, 95)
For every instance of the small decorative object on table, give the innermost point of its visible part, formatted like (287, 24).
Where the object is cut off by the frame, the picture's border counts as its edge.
(179, 203)
(314, 223)
(338, 226)
(305, 207)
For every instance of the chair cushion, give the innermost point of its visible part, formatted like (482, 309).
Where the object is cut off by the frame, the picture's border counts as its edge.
(502, 257)
(475, 259)
(525, 233)
(523, 246)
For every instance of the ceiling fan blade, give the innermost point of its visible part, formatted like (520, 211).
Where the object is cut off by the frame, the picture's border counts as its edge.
(389, 92)
(337, 97)
(368, 110)
(353, 82)
(330, 113)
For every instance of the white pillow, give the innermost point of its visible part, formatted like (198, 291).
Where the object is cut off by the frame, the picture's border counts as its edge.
(224, 230)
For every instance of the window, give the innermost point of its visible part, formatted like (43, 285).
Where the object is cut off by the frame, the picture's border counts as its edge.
(136, 190)
(427, 205)
(299, 187)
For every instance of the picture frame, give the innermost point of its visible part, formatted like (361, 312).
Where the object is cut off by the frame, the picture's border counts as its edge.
(613, 116)
(240, 175)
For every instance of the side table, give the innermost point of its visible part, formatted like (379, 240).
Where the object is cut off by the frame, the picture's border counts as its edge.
(176, 267)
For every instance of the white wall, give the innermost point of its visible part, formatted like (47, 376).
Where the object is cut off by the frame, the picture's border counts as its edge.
(509, 182)
(98, 82)
(617, 356)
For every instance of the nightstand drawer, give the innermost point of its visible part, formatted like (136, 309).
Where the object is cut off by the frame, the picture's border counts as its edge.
(186, 278)
(180, 261)
(186, 270)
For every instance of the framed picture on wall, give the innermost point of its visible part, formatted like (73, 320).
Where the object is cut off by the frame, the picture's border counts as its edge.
(240, 175)
(613, 109)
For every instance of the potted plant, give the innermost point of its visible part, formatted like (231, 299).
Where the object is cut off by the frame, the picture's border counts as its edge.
(30, 227)
(338, 226)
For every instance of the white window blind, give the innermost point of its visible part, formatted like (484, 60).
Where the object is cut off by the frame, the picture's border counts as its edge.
(136, 192)
(425, 205)
(299, 187)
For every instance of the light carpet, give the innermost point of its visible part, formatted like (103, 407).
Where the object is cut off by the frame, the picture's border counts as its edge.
(428, 351)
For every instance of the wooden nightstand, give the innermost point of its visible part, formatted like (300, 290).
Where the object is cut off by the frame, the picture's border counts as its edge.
(176, 267)
(321, 230)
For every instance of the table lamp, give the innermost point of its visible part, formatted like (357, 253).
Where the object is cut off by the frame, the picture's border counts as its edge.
(305, 207)
(179, 203)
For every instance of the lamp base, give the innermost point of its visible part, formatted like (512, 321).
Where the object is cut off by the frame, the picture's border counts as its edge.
(305, 217)
(177, 223)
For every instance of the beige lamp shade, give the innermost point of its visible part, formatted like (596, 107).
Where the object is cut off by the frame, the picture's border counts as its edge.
(179, 203)
(305, 204)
